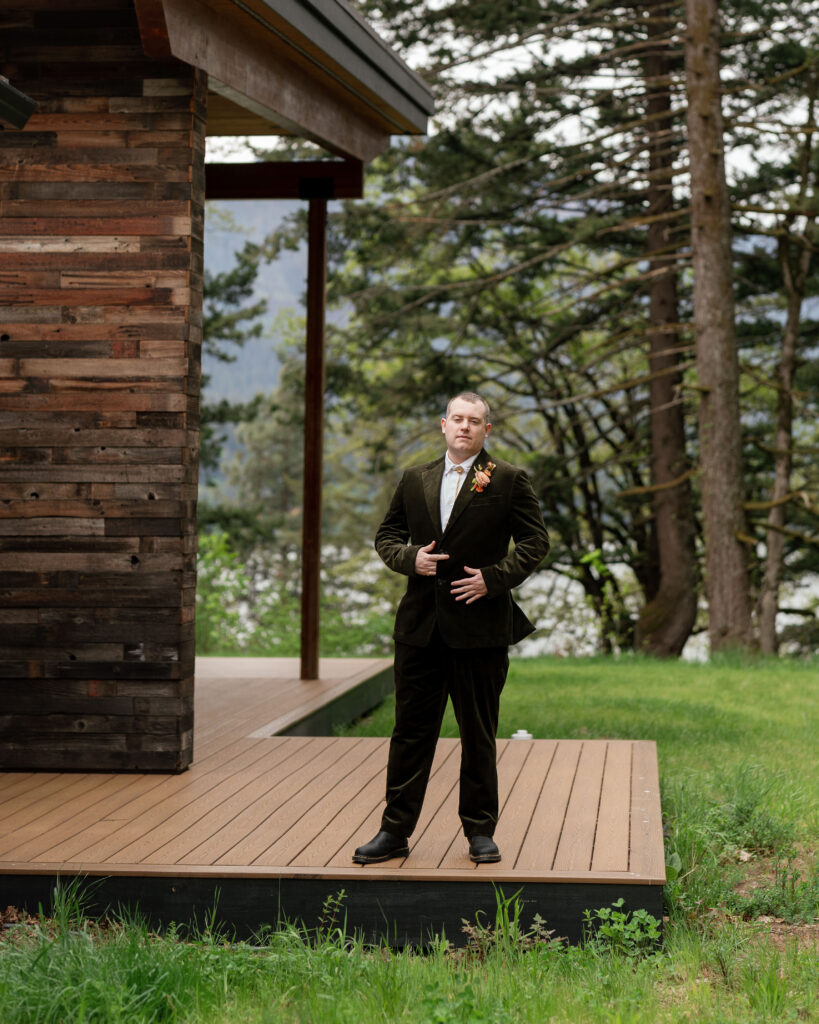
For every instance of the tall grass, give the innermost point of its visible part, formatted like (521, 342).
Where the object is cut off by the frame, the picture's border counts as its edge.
(69, 970)
(740, 795)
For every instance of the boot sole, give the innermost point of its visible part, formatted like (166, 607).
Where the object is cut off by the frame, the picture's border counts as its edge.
(402, 852)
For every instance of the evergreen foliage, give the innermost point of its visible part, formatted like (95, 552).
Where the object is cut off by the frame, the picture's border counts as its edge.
(521, 250)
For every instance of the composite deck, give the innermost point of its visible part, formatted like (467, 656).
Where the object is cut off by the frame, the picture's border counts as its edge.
(263, 827)
(273, 700)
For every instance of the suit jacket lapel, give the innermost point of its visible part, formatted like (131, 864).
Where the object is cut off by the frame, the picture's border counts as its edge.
(466, 493)
(431, 480)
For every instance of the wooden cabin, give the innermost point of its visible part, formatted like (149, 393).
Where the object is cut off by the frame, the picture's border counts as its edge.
(102, 198)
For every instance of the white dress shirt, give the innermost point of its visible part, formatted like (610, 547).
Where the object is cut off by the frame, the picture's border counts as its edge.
(451, 484)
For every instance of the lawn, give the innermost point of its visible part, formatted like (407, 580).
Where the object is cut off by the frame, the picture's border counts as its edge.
(740, 788)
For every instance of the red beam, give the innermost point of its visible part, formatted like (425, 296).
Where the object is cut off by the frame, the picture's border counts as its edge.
(298, 179)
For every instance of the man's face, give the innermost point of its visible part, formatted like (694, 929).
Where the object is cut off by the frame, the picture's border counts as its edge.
(465, 429)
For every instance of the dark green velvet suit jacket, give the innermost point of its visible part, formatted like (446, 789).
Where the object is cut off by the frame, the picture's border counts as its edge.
(478, 534)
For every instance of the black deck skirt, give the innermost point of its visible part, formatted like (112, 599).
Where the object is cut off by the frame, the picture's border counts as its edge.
(394, 912)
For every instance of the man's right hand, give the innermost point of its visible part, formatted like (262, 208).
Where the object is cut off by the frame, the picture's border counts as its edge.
(426, 564)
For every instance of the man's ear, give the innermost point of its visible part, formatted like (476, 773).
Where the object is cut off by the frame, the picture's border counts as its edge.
(443, 424)
(488, 427)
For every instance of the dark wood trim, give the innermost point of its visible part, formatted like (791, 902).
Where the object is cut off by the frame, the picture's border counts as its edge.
(313, 438)
(328, 39)
(345, 708)
(399, 913)
(299, 179)
(262, 73)
(153, 29)
(335, 35)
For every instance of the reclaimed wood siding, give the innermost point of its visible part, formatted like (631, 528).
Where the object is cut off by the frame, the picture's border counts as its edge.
(101, 228)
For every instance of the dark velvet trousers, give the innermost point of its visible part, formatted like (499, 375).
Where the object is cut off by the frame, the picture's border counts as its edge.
(424, 678)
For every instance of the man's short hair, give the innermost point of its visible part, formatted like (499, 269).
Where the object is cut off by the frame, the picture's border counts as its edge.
(470, 396)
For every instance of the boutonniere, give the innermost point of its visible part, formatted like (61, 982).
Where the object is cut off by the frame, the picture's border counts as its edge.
(482, 477)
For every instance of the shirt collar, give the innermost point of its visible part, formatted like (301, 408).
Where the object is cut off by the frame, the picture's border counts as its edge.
(466, 465)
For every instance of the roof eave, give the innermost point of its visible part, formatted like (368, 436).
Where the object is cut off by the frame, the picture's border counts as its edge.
(308, 67)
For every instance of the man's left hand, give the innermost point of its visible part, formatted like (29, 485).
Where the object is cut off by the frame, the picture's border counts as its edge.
(471, 587)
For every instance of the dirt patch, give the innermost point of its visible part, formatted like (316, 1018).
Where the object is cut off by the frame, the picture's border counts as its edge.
(782, 935)
(16, 922)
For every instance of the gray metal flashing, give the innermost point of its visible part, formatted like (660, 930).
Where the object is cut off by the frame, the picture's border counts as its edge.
(340, 33)
(15, 107)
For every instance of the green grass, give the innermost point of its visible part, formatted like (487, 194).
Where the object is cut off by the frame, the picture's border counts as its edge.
(737, 743)
(701, 715)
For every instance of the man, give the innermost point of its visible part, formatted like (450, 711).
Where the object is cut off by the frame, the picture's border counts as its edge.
(448, 529)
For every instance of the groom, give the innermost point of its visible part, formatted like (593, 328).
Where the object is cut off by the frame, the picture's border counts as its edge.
(449, 529)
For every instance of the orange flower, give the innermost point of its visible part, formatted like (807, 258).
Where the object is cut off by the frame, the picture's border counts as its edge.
(482, 477)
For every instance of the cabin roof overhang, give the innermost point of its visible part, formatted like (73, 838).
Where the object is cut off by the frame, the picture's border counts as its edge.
(312, 68)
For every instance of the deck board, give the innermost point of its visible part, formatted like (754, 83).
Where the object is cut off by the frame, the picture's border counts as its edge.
(545, 828)
(611, 841)
(576, 816)
(576, 845)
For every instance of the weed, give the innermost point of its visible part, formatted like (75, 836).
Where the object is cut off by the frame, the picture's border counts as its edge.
(332, 926)
(624, 933)
(790, 897)
(507, 934)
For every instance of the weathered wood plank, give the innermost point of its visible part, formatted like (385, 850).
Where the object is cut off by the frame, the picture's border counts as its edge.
(144, 401)
(100, 209)
(101, 221)
(61, 526)
(89, 434)
(104, 191)
(136, 254)
(152, 169)
(94, 297)
(72, 223)
(97, 371)
(173, 122)
(139, 566)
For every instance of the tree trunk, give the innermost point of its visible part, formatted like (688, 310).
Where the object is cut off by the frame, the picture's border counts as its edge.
(774, 538)
(666, 621)
(794, 277)
(726, 569)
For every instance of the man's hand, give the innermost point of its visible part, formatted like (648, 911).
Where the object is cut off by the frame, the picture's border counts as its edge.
(426, 564)
(471, 587)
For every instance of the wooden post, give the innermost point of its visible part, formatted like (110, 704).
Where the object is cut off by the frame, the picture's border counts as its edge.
(313, 438)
